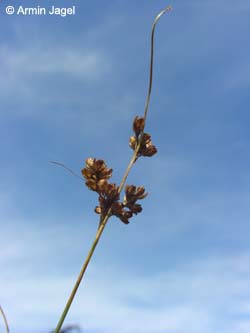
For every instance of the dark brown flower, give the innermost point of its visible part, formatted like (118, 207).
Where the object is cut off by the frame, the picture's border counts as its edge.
(110, 192)
(146, 147)
(134, 208)
(119, 211)
(133, 193)
(138, 125)
(96, 174)
(146, 139)
(149, 150)
(107, 196)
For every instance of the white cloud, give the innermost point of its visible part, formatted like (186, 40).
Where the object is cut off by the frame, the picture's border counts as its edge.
(24, 72)
(79, 63)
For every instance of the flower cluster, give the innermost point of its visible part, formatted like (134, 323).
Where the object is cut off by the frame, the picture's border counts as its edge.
(97, 174)
(144, 139)
(132, 194)
(126, 209)
(107, 197)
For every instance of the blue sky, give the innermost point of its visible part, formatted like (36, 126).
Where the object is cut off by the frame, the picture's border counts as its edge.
(70, 88)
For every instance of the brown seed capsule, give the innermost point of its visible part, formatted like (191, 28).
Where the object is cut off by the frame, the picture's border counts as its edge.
(149, 151)
(133, 193)
(90, 162)
(117, 208)
(134, 208)
(133, 142)
(138, 125)
(111, 193)
(98, 210)
(101, 185)
(146, 146)
(91, 184)
(126, 216)
(119, 211)
(146, 139)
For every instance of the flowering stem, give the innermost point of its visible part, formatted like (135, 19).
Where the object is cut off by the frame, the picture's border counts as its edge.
(93, 246)
(105, 218)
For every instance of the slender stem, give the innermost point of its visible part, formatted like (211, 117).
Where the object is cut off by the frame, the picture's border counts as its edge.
(167, 9)
(5, 320)
(104, 220)
(148, 95)
(79, 279)
(129, 167)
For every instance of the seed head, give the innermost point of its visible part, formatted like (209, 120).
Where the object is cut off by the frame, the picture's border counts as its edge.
(133, 193)
(96, 174)
(146, 148)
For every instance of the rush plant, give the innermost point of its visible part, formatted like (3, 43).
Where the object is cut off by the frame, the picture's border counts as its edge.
(97, 178)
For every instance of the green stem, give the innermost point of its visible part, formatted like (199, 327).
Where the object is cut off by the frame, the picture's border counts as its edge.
(80, 276)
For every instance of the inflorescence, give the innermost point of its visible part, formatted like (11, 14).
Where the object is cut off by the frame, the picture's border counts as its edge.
(97, 175)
